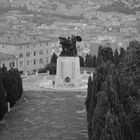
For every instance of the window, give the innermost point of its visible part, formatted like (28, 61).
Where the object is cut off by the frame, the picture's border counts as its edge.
(20, 63)
(27, 62)
(27, 45)
(41, 52)
(41, 61)
(34, 53)
(34, 62)
(47, 60)
(27, 54)
(21, 55)
(20, 47)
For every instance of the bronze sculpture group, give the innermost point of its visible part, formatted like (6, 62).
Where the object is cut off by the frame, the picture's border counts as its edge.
(69, 45)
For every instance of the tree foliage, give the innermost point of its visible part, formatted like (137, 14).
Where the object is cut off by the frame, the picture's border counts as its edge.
(106, 115)
(113, 101)
(104, 54)
(54, 58)
(94, 61)
(51, 67)
(90, 61)
(10, 89)
(81, 59)
(116, 58)
(129, 70)
(3, 98)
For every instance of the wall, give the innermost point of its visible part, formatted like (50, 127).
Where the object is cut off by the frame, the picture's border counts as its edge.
(38, 58)
(7, 48)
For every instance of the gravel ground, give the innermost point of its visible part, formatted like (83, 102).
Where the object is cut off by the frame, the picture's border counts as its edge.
(46, 115)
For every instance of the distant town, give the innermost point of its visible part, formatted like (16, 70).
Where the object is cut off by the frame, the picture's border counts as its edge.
(29, 32)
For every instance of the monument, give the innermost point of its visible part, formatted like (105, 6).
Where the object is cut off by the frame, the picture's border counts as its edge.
(68, 65)
(68, 77)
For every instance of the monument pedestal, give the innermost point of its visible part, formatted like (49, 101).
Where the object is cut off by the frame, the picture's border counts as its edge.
(68, 72)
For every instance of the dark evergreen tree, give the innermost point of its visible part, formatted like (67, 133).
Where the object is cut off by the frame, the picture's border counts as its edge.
(98, 118)
(4, 68)
(20, 85)
(16, 81)
(88, 103)
(12, 83)
(3, 98)
(94, 61)
(54, 58)
(104, 54)
(51, 68)
(107, 54)
(129, 70)
(116, 58)
(88, 61)
(8, 86)
(106, 116)
(112, 129)
(81, 61)
(122, 54)
(99, 57)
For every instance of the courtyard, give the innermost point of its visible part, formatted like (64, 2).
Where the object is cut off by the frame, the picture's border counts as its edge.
(46, 115)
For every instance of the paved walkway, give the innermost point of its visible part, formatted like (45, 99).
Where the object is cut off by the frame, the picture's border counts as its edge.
(43, 115)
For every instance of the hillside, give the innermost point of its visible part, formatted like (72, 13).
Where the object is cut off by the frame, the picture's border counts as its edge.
(73, 8)
(122, 7)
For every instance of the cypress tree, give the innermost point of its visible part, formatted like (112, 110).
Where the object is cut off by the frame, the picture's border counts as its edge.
(107, 116)
(3, 98)
(107, 54)
(81, 61)
(94, 61)
(88, 60)
(122, 54)
(116, 58)
(129, 70)
(99, 56)
(54, 58)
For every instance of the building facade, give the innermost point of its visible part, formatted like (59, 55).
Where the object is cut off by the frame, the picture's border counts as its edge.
(30, 56)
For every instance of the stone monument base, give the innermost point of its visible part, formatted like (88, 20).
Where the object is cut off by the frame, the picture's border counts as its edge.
(68, 72)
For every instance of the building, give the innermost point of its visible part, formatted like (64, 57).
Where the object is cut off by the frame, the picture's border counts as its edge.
(138, 14)
(31, 55)
(129, 30)
(94, 48)
(8, 60)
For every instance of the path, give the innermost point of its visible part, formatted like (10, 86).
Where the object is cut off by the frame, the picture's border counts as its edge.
(43, 115)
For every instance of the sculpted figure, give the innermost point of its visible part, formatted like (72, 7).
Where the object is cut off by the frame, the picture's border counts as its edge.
(69, 45)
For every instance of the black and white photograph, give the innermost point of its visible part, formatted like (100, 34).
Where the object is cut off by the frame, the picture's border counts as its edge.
(69, 69)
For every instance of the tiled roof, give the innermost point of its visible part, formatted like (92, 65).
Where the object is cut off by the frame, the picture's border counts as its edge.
(4, 56)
